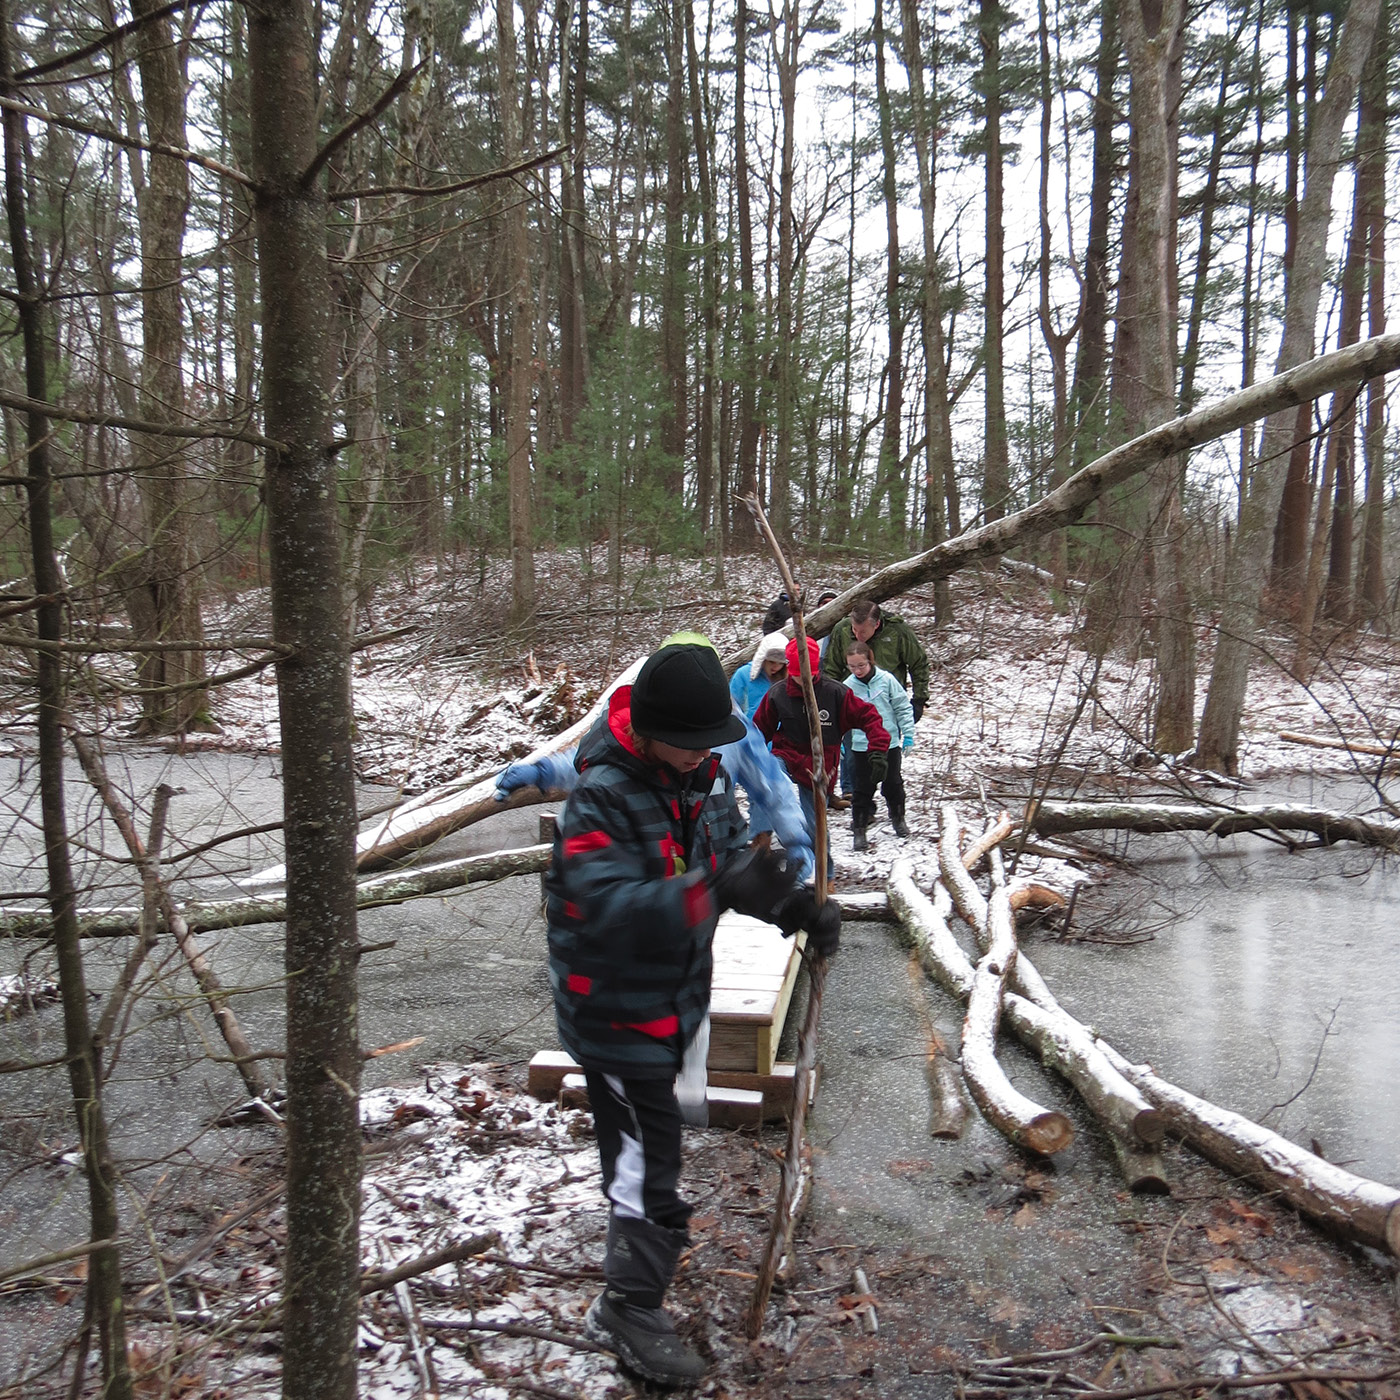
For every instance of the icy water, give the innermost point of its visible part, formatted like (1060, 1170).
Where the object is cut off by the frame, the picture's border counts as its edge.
(1269, 984)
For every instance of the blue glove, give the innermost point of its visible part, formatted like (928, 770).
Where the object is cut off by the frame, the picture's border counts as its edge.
(908, 741)
(552, 773)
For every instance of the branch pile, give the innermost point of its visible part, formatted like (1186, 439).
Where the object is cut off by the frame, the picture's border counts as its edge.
(1132, 1104)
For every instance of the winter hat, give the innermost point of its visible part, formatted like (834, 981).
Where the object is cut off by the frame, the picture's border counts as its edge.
(772, 648)
(681, 697)
(814, 653)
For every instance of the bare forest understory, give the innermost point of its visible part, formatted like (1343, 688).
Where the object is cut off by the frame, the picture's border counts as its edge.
(925, 1265)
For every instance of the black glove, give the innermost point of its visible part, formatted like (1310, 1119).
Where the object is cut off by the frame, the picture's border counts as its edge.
(756, 883)
(918, 707)
(823, 923)
(879, 767)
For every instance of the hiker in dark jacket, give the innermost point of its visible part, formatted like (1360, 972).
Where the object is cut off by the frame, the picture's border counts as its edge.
(782, 719)
(891, 639)
(648, 850)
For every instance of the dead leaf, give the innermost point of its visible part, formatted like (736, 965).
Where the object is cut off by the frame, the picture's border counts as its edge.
(1303, 1273)
(1009, 1311)
(1025, 1216)
(1223, 1234)
(1251, 1216)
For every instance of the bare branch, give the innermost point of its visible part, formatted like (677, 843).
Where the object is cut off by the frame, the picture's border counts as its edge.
(358, 123)
(471, 183)
(117, 138)
(131, 425)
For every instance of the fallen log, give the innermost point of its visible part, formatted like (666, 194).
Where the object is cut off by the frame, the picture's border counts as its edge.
(430, 816)
(926, 923)
(1314, 741)
(1017, 1118)
(1125, 1114)
(1053, 818)
(1353, 1207)
(392, 887)
(947, 1108)
(1067, 502)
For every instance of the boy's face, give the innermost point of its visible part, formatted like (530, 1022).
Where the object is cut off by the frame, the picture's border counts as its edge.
(859, 664)
(682, 760)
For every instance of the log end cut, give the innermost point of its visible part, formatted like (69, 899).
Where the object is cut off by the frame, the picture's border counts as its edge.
(1048, 1133)
(1149, 1127)
(1392, 1231)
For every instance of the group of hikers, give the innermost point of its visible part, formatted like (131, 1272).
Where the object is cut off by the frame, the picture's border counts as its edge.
(650, 848)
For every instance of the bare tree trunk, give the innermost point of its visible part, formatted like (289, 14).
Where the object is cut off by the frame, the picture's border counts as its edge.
(940, 479)
(787, 44)
(573, 76)
(707, 408)
(1371, 167)
(1218, 743)
(674, 415)
(1091, 356)
(520, 354)
(1154, 60)
(171, 565)
(82, 1051)
(996, 468)
(322, 1268)
(1057, 342)
(742, 527)
(892, 435)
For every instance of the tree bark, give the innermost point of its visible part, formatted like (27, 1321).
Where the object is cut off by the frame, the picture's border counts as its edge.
(940, 483)
(1049, 818)
(322, 1267)
(996, 466)
(1371, 168)
(1218, 742)
(520, 352)
(742, 527)
(171, 566)
(82, 1051)
(892, 433)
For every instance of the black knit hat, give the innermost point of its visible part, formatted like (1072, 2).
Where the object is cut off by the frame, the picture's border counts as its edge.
(680, 697)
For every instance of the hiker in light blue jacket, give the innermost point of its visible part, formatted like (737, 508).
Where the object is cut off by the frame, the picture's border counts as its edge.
(867, 681)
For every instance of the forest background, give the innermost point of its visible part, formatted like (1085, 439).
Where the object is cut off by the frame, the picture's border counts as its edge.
(298, 293)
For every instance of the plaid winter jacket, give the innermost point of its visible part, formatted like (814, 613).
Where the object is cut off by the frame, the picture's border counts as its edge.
(629, 907)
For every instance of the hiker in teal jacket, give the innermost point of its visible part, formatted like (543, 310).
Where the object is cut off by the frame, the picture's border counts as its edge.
(867, 681)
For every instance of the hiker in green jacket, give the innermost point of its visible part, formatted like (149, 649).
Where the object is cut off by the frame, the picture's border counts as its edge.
(896, 650)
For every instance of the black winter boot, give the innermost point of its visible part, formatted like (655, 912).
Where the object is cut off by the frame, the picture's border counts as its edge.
(627, 1318)
(645, 1341)
(858, 839)
(900, 829)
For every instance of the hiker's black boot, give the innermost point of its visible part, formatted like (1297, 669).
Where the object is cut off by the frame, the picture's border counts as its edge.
(900, 828)
(858, 840)
(645, 1341)
(627, 1318)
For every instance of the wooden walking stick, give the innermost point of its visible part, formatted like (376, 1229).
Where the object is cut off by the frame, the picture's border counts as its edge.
(784, 1211)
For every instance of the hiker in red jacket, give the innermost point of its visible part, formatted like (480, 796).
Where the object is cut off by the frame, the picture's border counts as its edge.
(782, 719)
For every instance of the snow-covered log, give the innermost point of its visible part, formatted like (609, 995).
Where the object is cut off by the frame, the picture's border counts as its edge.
(1052, 818)
(1317, 741)
(1352, 1206)
(393, 887)
(430, 816)
(1065, 1045)
(1016, 1117)
(1049, 1036)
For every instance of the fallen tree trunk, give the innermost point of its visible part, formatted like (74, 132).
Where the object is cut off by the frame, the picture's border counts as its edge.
(1016, 1117)
(1356, 364)
(948, 1109)
(1054, 818)
(1351, 1206)
(393, 887)
(926, 923)
(1125, 1114)
(1314, 741)
(430, 816)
